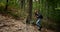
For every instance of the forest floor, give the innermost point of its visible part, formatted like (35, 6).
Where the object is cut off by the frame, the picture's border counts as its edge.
(8, 24)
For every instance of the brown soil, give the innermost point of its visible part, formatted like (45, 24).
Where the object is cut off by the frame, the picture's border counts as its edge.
(7, 24)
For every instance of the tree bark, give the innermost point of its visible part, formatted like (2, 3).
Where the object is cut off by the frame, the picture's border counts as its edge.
(6, 5)
(29, 18)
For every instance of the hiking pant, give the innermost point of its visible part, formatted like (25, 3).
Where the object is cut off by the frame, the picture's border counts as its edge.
(38, 23)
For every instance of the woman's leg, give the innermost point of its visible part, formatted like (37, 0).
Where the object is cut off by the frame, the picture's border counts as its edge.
(38, 24)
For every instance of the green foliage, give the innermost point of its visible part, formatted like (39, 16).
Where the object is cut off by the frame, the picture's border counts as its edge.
(13, 8)
(50, 10)
(51, 13)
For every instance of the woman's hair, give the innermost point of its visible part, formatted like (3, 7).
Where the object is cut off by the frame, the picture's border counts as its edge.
(36, 11)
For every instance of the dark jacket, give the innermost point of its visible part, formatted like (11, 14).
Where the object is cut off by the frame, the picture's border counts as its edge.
(39, 15)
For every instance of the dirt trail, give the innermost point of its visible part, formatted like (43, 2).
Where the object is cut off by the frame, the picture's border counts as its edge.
(12, 25)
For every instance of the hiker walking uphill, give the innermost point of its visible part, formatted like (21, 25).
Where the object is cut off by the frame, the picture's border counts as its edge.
(39, 17)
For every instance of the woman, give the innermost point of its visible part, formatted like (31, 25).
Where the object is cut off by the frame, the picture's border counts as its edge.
(39, 17)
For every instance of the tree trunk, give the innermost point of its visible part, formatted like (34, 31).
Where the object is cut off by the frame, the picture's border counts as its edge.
(21, 3)
(29, 18)
(6, 5)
